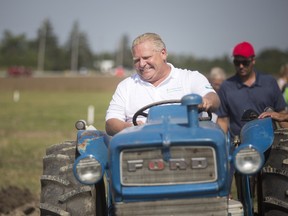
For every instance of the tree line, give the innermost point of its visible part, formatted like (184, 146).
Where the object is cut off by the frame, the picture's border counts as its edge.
(44, 53)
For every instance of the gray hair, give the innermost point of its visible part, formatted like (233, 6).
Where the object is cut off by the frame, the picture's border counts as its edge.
(217, 73)
(153, 37)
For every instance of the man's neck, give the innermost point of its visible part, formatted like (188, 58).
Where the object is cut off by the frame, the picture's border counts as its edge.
(250, 79)
(164, 75)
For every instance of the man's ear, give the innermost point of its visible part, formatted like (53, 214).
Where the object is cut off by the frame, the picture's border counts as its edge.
(164, 54)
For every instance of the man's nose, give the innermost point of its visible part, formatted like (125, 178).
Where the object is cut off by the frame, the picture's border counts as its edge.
(142, 62)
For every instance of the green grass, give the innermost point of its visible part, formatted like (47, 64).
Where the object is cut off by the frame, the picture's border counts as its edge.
(36, 121)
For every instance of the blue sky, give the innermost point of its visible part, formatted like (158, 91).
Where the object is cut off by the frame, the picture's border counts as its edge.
(203, 28)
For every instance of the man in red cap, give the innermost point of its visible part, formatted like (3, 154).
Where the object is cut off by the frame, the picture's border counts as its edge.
(246, 90)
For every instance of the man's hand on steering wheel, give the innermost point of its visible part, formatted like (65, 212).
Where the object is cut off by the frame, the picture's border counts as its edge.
(205, 106)
(201, 107)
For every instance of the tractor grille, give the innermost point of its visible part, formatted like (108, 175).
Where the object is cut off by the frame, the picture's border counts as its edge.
(178, 165)
(188, 207)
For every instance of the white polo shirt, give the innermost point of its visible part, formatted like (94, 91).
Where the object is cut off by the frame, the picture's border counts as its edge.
(133, 93)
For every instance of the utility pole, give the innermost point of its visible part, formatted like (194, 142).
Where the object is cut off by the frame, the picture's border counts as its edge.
(75, 51)
(42, 47)
(120, 53)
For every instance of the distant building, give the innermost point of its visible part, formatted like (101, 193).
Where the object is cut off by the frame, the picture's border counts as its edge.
(106, 66)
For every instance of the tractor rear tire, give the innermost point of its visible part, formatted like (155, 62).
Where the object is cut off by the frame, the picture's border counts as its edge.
(61, 193)
(274, 178)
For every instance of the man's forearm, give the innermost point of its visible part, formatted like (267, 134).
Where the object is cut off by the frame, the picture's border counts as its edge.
(113, 126)
(213, 100)
(223, 123)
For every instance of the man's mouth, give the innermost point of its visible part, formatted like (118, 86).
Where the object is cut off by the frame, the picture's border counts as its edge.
(143, 70)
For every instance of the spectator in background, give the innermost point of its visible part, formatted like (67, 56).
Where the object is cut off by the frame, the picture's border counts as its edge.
(283, 78)
(247, 89)
(283, 81)
(216, 76)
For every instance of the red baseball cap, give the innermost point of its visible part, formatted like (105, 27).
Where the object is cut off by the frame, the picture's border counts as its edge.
(244, 49)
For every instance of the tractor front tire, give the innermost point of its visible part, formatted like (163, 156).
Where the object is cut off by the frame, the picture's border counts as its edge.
(61, 193)
(274, 178)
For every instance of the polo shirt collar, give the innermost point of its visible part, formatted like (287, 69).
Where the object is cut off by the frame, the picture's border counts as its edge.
(172, 72)
(256, 83)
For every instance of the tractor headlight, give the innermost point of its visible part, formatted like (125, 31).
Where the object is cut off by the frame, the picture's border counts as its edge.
(248, 160)
(81, 125)
(88, 170)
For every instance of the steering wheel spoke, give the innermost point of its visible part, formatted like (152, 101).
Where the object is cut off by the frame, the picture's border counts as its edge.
(141, 112)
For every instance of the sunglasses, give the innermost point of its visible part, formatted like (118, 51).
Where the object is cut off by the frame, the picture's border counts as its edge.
(245, 63)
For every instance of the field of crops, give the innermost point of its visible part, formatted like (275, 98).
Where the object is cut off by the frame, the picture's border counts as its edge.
(38, 112)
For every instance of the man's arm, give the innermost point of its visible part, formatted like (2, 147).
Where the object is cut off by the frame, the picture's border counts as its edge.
(114, 126)
(210, 102)
(223, 123)
(281, 117)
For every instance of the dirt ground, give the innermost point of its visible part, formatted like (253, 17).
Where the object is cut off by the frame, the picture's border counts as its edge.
(18, 202)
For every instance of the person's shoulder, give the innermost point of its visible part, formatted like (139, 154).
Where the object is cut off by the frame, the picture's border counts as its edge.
(266, 77)
(267, 81)
(183, 74)
(183, 70)
(231, 79)
(229, 83)
(190, 73)
(129, 80)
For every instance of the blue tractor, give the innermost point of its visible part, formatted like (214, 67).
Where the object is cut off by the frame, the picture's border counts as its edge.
(176, 164)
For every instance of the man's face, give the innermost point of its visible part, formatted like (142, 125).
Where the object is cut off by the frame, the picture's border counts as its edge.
(149, 62)
(243, 66)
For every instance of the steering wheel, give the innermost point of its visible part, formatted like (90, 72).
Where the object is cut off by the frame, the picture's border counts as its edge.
(141, 112)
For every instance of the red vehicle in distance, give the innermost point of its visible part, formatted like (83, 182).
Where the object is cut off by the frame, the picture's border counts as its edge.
(19, 71)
